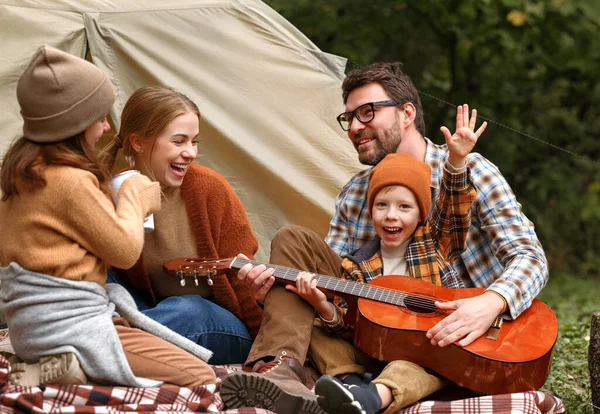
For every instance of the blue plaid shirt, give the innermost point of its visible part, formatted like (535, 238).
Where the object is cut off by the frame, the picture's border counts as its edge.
(503, 252)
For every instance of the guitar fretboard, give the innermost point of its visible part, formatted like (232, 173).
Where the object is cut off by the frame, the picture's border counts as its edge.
(334, 284)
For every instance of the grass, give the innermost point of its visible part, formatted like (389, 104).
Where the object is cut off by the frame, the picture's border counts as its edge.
(573, 298)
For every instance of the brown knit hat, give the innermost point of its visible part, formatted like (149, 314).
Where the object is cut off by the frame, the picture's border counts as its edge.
(61, 95)
(404, 170)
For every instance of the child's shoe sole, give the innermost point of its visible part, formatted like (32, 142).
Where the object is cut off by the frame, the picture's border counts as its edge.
(334, 398)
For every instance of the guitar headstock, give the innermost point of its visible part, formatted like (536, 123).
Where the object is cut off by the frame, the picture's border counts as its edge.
(194, 267)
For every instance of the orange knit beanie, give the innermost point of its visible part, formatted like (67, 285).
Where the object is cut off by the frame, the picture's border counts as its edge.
(404, 170)
(61, 95)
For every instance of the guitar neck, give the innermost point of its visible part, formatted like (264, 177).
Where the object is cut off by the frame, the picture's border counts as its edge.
(332, 284)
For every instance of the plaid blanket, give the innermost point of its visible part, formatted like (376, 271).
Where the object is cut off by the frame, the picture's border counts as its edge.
(77, 399)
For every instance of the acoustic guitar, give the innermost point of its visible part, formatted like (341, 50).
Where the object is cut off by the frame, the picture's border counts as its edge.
(391, 315)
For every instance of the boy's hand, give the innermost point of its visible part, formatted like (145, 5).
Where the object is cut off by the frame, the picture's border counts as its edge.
(306, 287)
(464, 138)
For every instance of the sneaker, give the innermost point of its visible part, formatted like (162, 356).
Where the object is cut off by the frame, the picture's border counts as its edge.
(52, 369)
(351, 396)
(278, 386)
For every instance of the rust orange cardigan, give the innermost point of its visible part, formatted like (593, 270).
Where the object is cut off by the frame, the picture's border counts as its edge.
(221, 229)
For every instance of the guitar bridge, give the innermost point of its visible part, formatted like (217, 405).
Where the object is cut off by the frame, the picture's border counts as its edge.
(494, 330)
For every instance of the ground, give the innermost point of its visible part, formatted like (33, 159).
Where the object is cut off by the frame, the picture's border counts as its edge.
(573, 298)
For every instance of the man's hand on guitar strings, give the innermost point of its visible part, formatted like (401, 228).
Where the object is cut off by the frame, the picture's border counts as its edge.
(306, 287)
(257, 279)
(471, 319)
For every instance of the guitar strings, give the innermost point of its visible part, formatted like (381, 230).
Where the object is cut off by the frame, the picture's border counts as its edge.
(392, 296)
(395, 297)
(386, 295)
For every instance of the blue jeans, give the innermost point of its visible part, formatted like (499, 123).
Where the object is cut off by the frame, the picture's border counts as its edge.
(198, 319)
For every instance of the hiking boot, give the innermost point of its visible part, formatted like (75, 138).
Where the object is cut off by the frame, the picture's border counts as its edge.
(352, 395)
(52, 369)
(278, 386)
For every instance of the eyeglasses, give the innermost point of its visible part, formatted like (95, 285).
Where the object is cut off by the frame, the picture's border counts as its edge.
(364, 113)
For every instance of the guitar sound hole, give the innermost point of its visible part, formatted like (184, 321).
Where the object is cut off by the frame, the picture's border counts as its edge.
(419, 304)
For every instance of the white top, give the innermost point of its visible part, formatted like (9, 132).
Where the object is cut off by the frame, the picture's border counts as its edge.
(394, 262)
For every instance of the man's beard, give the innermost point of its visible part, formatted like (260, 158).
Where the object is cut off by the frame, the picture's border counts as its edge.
(388, 143)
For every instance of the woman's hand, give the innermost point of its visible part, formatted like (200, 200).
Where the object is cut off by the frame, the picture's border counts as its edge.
(257, 279)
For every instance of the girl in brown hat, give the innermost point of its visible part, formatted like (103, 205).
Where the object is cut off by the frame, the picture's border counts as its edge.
(201, 216)
(60, 231)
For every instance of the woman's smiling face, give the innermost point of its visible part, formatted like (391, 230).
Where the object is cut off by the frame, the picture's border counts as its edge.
(167, 158)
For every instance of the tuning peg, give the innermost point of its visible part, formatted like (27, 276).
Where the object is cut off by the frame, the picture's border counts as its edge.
(196, 277)
(182, 279)
(209, 280)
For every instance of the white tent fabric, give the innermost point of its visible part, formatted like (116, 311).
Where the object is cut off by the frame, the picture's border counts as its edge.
(267, 94)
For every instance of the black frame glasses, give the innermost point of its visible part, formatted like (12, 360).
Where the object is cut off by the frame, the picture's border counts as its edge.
(364, 113)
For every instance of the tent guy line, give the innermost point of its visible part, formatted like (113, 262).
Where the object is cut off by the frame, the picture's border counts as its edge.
(516, 130)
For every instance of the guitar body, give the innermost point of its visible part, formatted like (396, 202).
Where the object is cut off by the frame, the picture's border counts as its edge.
(518, 360)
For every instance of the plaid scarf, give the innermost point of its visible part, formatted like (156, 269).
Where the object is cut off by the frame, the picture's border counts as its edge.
(423, 260)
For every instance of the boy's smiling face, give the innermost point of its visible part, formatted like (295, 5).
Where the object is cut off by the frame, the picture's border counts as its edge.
(395, 215)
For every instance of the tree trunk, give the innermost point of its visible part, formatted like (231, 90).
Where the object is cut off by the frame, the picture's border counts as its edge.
(594, 361)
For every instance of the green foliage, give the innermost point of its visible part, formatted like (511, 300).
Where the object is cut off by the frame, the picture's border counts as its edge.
(532, 65)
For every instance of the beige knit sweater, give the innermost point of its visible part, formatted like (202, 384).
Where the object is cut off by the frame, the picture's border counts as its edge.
(221, 229)
(71, 229)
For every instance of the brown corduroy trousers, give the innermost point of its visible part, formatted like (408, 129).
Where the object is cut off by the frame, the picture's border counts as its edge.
(289, 323)
(155, 358)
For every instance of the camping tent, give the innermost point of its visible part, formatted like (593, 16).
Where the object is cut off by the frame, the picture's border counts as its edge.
(267, 94)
